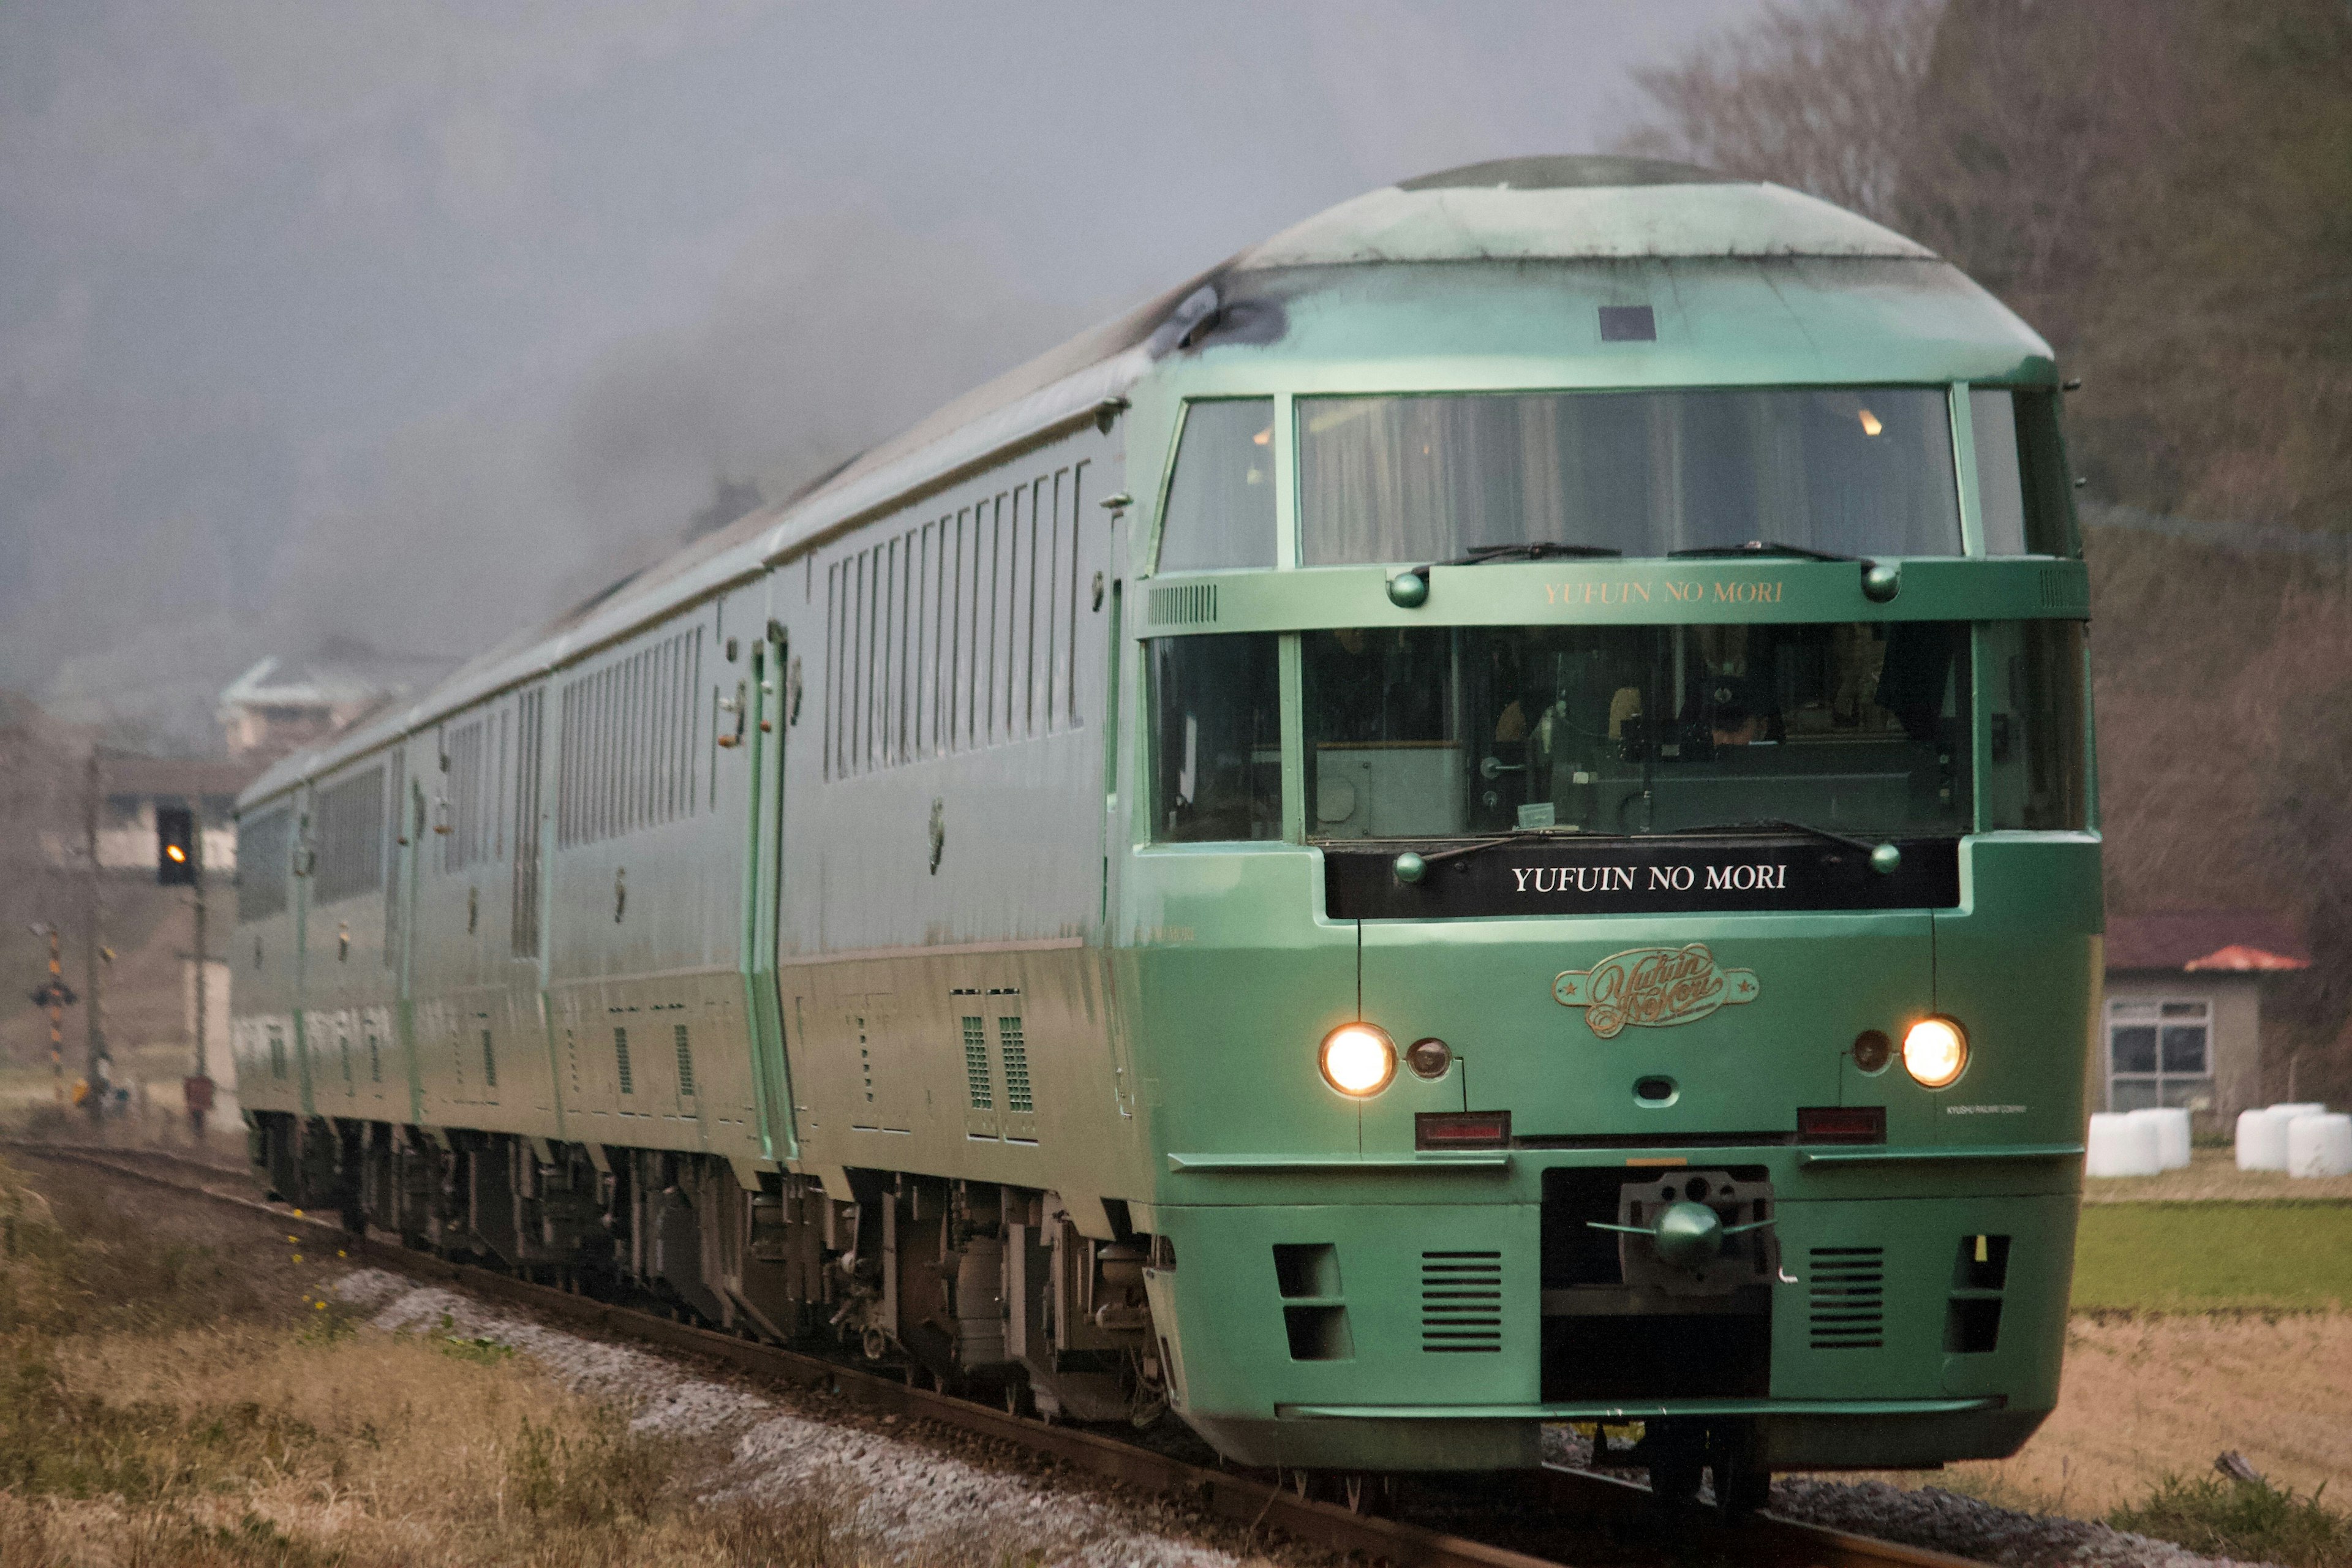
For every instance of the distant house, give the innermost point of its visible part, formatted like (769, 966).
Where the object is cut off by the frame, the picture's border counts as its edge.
(2181, 1023)
(281, 705)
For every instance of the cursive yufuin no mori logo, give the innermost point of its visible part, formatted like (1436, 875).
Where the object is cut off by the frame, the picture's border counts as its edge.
(1651, 987)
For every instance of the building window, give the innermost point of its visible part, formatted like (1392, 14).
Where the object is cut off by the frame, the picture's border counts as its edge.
(2159, 1052)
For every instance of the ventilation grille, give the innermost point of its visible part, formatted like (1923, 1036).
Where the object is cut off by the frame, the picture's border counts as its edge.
(685, 1059)
(1016, 1066)
(1460, 1301)
(2065, 588)
(975, 1064)
(489, 1063)
(1849, 1303)
(1190, 605)
(621, 1059)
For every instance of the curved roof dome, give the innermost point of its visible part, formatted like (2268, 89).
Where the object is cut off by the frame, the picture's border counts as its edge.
(1577, 208)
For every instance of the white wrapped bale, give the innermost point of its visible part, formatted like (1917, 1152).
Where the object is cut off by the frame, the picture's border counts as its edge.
(2171, 1135)
(2319, 1145)
(2122, 1144)
(2262, 1142)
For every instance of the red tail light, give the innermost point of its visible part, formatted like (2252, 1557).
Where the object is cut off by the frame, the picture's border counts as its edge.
(1842, 1124)
(1462, 1130)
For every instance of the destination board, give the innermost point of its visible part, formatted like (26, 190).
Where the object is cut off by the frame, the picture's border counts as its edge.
(1638, 876)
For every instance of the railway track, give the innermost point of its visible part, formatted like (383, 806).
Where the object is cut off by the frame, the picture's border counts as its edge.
(1763, 1541)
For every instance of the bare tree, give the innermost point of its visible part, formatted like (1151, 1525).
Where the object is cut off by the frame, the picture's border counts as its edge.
(1821, 97)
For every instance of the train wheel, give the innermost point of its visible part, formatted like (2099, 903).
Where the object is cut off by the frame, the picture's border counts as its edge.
(1742, 1485)
(1675, 1475)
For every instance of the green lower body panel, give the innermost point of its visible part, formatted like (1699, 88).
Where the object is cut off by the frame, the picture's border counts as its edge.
(1888, 1330)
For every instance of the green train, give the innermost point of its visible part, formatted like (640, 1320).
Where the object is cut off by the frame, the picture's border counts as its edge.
(1480, 818)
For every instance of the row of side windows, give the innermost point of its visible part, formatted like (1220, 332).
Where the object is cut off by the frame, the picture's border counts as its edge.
(958, 634)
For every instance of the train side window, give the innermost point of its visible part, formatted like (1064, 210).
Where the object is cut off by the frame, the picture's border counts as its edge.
(2036, 768)
(1220, 510)
(2000, 489)
(1216, 738)
(2023, 497)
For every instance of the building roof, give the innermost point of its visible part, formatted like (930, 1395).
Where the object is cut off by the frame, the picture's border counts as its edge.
(2230, 939)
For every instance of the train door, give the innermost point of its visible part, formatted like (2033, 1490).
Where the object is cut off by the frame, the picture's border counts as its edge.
(298, 895)
(408, 854)
(770, 700)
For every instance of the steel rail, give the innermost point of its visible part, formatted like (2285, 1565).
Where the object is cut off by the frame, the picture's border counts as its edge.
(1764, 1539)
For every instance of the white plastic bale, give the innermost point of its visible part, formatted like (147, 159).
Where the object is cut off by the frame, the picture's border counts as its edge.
(2262, 1142)
(2319, 1145)
(2122, 1144)
(2288, 1110)
(2172, 1142)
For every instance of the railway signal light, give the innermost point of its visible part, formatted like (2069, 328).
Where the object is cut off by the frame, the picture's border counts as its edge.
(175, 845)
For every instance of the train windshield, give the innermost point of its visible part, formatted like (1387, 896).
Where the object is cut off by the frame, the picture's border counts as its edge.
(1859, 728)
(1864, 471)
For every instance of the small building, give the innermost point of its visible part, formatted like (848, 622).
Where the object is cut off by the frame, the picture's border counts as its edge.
(281, 705)
(2181, 1021)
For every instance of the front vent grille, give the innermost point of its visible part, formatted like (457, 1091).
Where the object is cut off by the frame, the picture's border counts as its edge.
(1189, 605)
(1460, 1301)
(1848, 1286)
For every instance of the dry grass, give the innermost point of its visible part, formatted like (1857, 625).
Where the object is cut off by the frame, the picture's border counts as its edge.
(2144, 1398)
(2212, 1176)
(159, 1405)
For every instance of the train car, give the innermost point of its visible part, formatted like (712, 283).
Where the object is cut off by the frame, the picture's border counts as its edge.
(1480, 818)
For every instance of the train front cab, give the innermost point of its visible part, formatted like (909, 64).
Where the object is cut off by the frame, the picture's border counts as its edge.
(1673, 857)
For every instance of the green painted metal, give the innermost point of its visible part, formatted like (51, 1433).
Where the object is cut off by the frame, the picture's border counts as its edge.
(1638, 593)
(1633, 1410)
(1905, 1156)
(762, 887)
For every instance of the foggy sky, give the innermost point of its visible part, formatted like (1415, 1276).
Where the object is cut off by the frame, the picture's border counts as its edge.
(404, 320)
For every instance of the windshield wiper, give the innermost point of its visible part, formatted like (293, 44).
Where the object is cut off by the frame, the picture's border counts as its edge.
(1784, 825)
(1761, 547)
(1510, 836)
(1531, 550)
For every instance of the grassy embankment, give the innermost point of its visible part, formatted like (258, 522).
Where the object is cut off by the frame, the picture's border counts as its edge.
(2273, 1257)
(196, 1400)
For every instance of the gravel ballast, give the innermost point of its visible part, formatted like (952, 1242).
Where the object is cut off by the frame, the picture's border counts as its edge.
(909, 1495)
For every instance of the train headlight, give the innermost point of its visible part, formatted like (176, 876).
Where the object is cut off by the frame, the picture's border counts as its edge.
(1935, 1050)
(1358, 1060)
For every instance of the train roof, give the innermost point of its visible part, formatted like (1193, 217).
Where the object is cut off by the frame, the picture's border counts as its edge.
(1510, 212)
